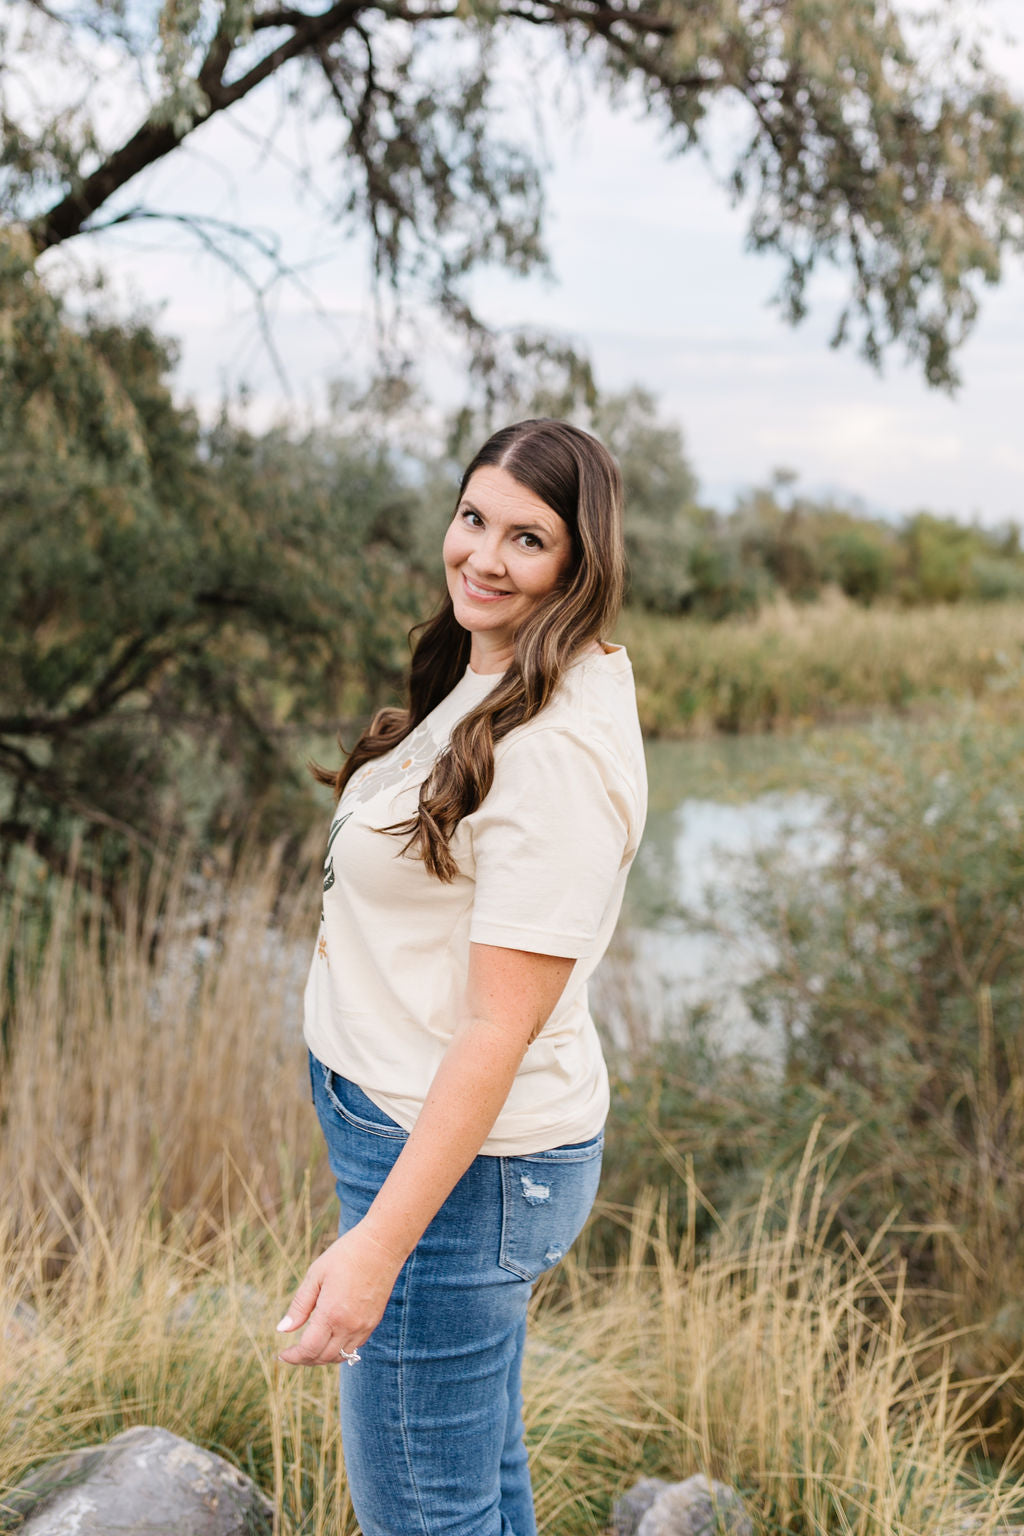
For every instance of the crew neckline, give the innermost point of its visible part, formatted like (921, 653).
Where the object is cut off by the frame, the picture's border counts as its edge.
(609, 654)
(482, 677)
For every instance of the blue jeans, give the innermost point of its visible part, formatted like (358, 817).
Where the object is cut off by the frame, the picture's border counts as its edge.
(431, 1417)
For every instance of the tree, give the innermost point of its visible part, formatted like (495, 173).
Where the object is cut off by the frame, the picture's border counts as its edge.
(171, 600)
(941, 555)
(882, 144)
(665, 526)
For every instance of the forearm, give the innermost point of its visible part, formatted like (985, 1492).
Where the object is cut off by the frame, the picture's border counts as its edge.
(509, 996)
(347, 1288)
(468, 1091)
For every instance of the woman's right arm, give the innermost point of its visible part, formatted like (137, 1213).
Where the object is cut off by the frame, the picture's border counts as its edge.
(509, 996)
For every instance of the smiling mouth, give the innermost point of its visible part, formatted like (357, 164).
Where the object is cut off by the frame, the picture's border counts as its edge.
(485, 593)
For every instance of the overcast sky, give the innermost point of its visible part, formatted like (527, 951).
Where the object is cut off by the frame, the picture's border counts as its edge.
(649, 275)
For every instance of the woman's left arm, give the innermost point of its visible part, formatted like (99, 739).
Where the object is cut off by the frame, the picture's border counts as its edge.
(509, 997)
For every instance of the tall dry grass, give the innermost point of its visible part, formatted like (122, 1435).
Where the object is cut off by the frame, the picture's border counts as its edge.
(829, 660)
(772, 1363)
(163, 1192)
(155, 1062)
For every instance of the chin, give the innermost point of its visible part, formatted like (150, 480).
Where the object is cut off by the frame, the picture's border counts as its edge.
(474, 624)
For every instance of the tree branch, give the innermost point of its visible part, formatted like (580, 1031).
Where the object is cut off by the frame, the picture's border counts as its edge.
(598, 18)
(26, 770)
(206, 227)
(111, 687)
(157, 138)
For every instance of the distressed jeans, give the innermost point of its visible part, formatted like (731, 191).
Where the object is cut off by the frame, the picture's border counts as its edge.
(431, 1417)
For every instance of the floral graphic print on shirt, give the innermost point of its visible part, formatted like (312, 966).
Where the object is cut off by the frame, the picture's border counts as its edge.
(409, 762)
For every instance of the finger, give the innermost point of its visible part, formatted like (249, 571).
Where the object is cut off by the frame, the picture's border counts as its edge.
(317, 1346)
(302, 1304)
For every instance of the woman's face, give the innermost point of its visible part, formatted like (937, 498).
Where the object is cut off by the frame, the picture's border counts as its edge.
(504, 551)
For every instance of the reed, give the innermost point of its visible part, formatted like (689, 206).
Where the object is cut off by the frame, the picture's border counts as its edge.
(155, 1061)
(772, 1363)
(790, 666)
(890, 980)
(164, 1191)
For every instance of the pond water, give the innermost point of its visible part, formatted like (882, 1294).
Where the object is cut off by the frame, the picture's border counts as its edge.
(684, 950)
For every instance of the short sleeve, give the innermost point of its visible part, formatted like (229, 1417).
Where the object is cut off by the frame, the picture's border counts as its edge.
(550, 843)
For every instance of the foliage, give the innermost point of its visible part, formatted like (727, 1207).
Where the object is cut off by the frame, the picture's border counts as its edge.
(876, 142)
(177, 1020)
(790, 666)
(898, 988)
(688, 559)
(894, 1003)
(172, 599)
(801, 546)
(664, 524)
(943, 561)
(899, 992)
(154, 1235)
(186, 605)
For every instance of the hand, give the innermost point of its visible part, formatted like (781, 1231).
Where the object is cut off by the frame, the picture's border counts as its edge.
(342, 1296)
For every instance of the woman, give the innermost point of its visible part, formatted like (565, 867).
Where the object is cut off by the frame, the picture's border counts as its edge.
(474, 873)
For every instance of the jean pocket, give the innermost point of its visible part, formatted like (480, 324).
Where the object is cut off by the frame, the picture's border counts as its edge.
(353, 1105)
(546, 1198)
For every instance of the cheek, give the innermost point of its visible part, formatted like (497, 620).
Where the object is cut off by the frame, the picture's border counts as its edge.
(556, 573)
(450, 550)
(534, 583)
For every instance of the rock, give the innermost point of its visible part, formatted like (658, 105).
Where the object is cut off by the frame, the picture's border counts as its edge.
(25, 1340)
(628, 1511)
(22, 1325)
(144, 1482)
(214, 1301)
(696, 1507)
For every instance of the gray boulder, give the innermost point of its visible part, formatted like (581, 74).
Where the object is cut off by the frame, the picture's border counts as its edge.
(696, 1507)
(25, 1339)
(628, 1511)
(207, 1304)
(143, 1482)
(22, 1326)
(37, 1359)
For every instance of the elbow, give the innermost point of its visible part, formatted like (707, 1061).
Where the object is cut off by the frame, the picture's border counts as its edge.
(506, 1036)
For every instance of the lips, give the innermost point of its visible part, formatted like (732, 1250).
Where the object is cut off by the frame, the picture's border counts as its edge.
(481, 593)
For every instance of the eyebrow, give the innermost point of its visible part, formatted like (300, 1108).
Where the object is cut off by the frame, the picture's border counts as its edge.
(468, 506)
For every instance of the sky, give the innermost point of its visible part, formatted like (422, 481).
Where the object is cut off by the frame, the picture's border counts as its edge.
(649, 274)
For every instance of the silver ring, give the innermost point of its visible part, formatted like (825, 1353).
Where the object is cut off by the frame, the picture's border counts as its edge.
(352, 1356)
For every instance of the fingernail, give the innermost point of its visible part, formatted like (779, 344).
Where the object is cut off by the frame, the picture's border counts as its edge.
(285, 1325)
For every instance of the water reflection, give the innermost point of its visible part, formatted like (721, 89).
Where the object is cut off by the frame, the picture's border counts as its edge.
(685, 948)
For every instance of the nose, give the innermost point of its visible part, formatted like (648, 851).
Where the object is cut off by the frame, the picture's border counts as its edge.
(488, 557)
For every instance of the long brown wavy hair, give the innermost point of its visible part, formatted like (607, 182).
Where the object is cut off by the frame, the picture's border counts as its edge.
(579, 480)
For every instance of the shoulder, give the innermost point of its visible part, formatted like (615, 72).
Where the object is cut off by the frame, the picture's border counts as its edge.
(589, 729)
(597, 694)
(594, 705)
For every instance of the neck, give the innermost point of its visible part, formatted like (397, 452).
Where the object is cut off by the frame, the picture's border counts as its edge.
(490, 658)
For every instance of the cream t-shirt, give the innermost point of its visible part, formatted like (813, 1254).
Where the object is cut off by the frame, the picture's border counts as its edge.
(542, 867)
